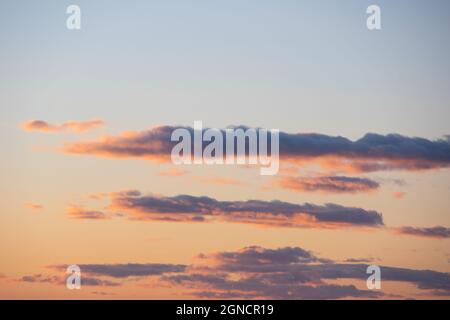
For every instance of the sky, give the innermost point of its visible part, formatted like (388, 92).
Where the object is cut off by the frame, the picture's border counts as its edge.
(86, 175)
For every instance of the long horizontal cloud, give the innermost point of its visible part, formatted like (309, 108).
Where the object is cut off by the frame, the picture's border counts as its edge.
(328, 184)
(373, 152)
(257, 272)
(73, 126)
(295, 273)
(433, 232)
(128, 269)
(105, 275)
(270, 213)
(60, 280)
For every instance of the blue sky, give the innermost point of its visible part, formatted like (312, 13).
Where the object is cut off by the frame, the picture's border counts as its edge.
(296, 65)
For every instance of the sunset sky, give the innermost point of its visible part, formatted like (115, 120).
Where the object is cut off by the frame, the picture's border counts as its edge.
(87, 178)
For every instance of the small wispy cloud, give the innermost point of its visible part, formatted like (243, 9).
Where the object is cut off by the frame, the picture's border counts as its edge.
(219, 181)
(174, 172)
(126, 270)
(33, 206)
(78, 212)
(328, 184)
(70, 126)
(438, 232)
(399, 194)
(61, 280)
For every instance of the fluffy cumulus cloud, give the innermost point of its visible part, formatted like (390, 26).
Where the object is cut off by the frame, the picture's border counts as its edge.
(328, 184)
(257, 272)
(373, 152)
(433, 232)
(71, 126)
(205, 209)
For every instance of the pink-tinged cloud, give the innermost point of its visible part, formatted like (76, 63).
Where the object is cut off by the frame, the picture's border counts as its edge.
(174, 172)
(71, 126)
(373, 152)
(185, 208)
(78, 212)
(328, 184)
(399, 195)
(33, 206)
(437, 232)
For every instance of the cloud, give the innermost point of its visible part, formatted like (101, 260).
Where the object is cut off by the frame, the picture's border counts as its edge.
(33, 206)
(373, 152)
(359, 260)
(40, 278)
(131, 269)
(434, 232)
(219, 181)
(101, 274)
(174, 172)
(78, 212)
(328, 184)
(152, 144)
(292, 273)
(101, 293)
(255, 255)
(72, 126)
(59, 280)
(185, 208)
(262, 273)
(399, 195)
(263, 287)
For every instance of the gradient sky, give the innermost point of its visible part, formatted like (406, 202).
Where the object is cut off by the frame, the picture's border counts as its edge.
(297, 66)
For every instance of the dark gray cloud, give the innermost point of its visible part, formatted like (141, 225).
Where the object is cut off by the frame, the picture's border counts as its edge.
(60, 280)
(373, 152)
(255, 255)
(294, 273)
(40, 278)
(360, 260)
(433, 232)
(264, 287)
(273, 213)
(329, 184)
(128, 269)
